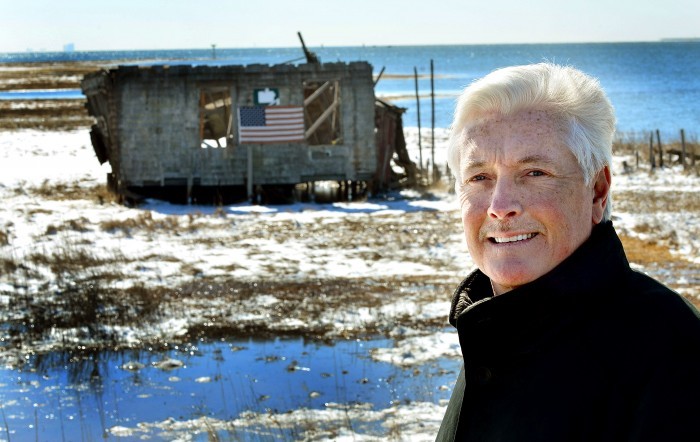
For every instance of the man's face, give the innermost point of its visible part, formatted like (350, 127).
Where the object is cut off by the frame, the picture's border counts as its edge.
(525, 207)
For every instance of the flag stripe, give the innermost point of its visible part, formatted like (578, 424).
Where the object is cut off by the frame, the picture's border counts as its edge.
(270, 124)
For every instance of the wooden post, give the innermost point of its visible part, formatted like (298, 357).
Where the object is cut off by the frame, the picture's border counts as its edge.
(190, 183)
(432, 120)
(683, 149)
(249, 183)
(652, 158)
(420, 146)
(661, 149)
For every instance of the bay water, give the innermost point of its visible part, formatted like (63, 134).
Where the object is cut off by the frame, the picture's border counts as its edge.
(653, 85)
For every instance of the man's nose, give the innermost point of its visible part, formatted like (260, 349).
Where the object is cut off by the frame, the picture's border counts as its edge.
(505, 200)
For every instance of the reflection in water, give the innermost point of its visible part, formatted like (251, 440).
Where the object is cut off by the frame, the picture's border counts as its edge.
(82, 395)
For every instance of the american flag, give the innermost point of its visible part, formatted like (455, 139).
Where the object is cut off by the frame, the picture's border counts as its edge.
(270, 124)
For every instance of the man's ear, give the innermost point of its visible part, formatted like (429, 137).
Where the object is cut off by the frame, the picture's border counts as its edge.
(601, 190)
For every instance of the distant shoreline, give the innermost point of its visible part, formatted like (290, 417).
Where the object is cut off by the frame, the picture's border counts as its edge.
(203, 53)
(681, 40)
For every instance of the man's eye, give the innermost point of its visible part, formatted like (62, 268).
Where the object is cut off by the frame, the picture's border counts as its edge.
(536, 173)
(477, 178)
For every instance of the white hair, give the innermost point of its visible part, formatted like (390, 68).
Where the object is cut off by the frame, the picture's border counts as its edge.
(574, 97)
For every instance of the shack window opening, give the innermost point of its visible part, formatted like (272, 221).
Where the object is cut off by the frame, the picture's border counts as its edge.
(322, 112)
(215, 118)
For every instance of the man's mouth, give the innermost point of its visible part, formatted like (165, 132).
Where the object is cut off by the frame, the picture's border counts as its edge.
(515, 238)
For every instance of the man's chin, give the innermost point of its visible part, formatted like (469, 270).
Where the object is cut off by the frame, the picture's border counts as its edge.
(511, 278)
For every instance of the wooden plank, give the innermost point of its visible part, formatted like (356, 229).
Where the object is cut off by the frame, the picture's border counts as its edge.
(324, 116)
(317, 92)
(336, 99)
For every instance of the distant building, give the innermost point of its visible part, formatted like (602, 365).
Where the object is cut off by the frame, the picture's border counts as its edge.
(222, 133)
(69, 47)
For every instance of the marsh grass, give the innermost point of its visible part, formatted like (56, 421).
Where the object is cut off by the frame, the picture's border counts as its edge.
(44, 114)
(62, 191)
(654, 201)
(79, 301)
(84, 280)
(46, 75)
(81, 310)
(655, 256)
(143, 222)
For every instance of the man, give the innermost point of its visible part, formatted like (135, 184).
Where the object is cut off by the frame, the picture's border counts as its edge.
(561, 339)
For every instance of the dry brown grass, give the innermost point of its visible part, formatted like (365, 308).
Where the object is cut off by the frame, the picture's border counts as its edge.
(44, 114)
(70, 260)
(653, 257)
(654, 201)
(75, 225)
(310, 301)
(60, 191)
(647, 253)
(80, 297)
(143, 222)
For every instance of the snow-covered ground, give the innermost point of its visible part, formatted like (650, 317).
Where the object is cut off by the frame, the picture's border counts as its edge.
(385, 265)
(51, 207)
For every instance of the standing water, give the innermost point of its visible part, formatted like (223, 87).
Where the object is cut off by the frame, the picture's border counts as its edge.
(167, 394)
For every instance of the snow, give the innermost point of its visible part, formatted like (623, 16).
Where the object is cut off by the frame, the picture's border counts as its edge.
(420, 349)
(180, 242)
(416, 421)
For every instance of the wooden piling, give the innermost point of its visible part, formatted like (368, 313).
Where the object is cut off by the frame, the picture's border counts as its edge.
(249, 177)
(683, 149)
(661, 149)
(652, 158)
(420, 147)
(432, 119)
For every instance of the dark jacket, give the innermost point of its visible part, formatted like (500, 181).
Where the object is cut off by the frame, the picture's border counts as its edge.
(591, 351)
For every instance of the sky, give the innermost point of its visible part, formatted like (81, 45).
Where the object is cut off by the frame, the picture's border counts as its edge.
(48, 25)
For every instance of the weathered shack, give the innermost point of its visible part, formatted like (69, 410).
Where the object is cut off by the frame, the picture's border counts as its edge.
(227, 132)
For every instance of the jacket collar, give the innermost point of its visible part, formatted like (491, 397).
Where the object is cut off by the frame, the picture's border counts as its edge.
(575, 282)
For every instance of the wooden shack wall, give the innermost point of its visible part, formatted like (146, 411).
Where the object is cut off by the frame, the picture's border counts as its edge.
(158, 126)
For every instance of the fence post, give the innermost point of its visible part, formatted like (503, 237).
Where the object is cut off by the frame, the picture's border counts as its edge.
(432, 121)
(661, 149)
(652, 158)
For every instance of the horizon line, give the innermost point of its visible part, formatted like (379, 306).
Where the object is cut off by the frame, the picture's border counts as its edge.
(216, 47)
